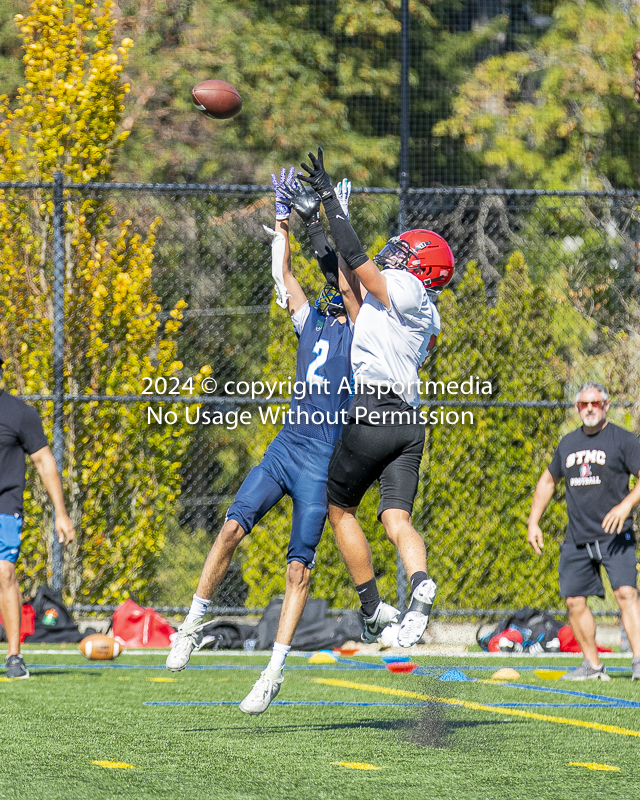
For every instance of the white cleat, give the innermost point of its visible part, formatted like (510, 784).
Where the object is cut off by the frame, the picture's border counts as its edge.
(374, 625)
(185, 642)
(414, 622)
(264, 690)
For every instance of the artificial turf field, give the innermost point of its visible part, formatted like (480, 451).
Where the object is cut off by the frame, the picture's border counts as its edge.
(345, 730)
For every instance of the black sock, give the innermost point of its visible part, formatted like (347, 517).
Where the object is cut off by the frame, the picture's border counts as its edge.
(417, 578)
(369, 597)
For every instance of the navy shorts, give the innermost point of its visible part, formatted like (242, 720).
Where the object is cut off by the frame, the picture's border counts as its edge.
(294, 465)
(579, 572)
(10, 538)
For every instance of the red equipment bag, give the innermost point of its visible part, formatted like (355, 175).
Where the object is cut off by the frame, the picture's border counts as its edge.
(134, 626)
(27, 622)
(569, 644)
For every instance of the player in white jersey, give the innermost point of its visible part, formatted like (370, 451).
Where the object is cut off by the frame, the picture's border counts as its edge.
(384, 437)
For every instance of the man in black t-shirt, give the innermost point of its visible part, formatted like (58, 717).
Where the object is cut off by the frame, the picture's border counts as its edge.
(21, 432)
(595, 461)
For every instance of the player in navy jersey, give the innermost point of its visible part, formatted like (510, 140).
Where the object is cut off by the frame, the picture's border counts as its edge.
(297, 460)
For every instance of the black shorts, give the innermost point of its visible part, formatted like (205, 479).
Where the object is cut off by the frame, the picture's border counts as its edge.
(390, 454)
(580, 574)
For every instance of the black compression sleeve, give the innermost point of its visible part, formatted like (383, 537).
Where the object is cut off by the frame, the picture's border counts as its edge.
(327, 259)
(345, 237)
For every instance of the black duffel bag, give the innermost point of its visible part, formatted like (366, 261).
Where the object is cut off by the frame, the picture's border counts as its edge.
(53, 622)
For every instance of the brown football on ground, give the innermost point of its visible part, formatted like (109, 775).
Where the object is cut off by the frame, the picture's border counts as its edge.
(99, 647)
(216, 99)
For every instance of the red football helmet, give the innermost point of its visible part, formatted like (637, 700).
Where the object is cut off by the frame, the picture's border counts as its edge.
(423, 253)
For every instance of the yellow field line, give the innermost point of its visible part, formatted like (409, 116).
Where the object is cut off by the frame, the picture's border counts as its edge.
(509, 712)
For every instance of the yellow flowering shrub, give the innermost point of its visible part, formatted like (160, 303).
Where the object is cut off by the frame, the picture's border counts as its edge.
(121, 476)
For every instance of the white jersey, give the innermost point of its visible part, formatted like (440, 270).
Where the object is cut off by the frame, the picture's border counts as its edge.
(391, 344)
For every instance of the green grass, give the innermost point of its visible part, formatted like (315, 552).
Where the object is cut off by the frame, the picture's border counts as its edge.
(55, 724)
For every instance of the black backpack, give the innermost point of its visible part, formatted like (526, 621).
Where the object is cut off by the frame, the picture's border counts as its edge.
(316, 630)
(226, 636)
(53, 622)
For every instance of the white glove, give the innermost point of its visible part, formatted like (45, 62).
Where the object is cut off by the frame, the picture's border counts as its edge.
(277, 262)
(343, 192)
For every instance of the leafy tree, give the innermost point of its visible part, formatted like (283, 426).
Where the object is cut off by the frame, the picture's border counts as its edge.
(121, 476)
(479, 478)
(10, 45)
(328, 72)
(561, 114)
(283, 77)
(308, 73)
(588, 261)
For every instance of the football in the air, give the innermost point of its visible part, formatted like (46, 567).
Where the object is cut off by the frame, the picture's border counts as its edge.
(99, 647)
(216, 99)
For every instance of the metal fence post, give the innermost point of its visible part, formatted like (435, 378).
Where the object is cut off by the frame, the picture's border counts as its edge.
(405, 103)
(401, 575)
(58, 356)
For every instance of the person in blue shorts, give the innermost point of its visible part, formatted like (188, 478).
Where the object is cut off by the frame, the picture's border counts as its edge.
(297, 460)
(21, 433)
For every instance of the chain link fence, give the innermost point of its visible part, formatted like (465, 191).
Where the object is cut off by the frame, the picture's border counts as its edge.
(140, 321)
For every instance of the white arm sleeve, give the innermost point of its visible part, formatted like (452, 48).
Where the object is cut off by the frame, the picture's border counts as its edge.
(300, 317)
(405, 292)
(277, 262)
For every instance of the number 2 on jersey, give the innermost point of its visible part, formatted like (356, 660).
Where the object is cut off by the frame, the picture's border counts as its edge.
(321, 349)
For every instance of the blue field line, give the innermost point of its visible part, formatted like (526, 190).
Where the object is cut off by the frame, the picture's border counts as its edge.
(139, 666)
(615, 704)
(355, 663)
(277, 703)
(604, 700)
(424, 671)
(254, 667)
(340, 665)
(372, 705)
(528, 668)
(586, 695)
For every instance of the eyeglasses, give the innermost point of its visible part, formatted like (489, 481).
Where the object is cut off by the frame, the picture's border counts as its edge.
(582, 404)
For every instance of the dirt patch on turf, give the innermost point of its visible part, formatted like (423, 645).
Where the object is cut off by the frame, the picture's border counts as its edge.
(429, 728)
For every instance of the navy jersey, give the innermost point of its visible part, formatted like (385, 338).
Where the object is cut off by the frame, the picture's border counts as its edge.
(324, 367)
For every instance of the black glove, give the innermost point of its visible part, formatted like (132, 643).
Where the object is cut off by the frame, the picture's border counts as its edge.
(318, 178)
(344, 236)
(327, 259)
(303, 200)
(307, 205)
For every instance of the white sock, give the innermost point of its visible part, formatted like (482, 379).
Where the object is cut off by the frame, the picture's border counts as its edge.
(278, 656)
(197, 611)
